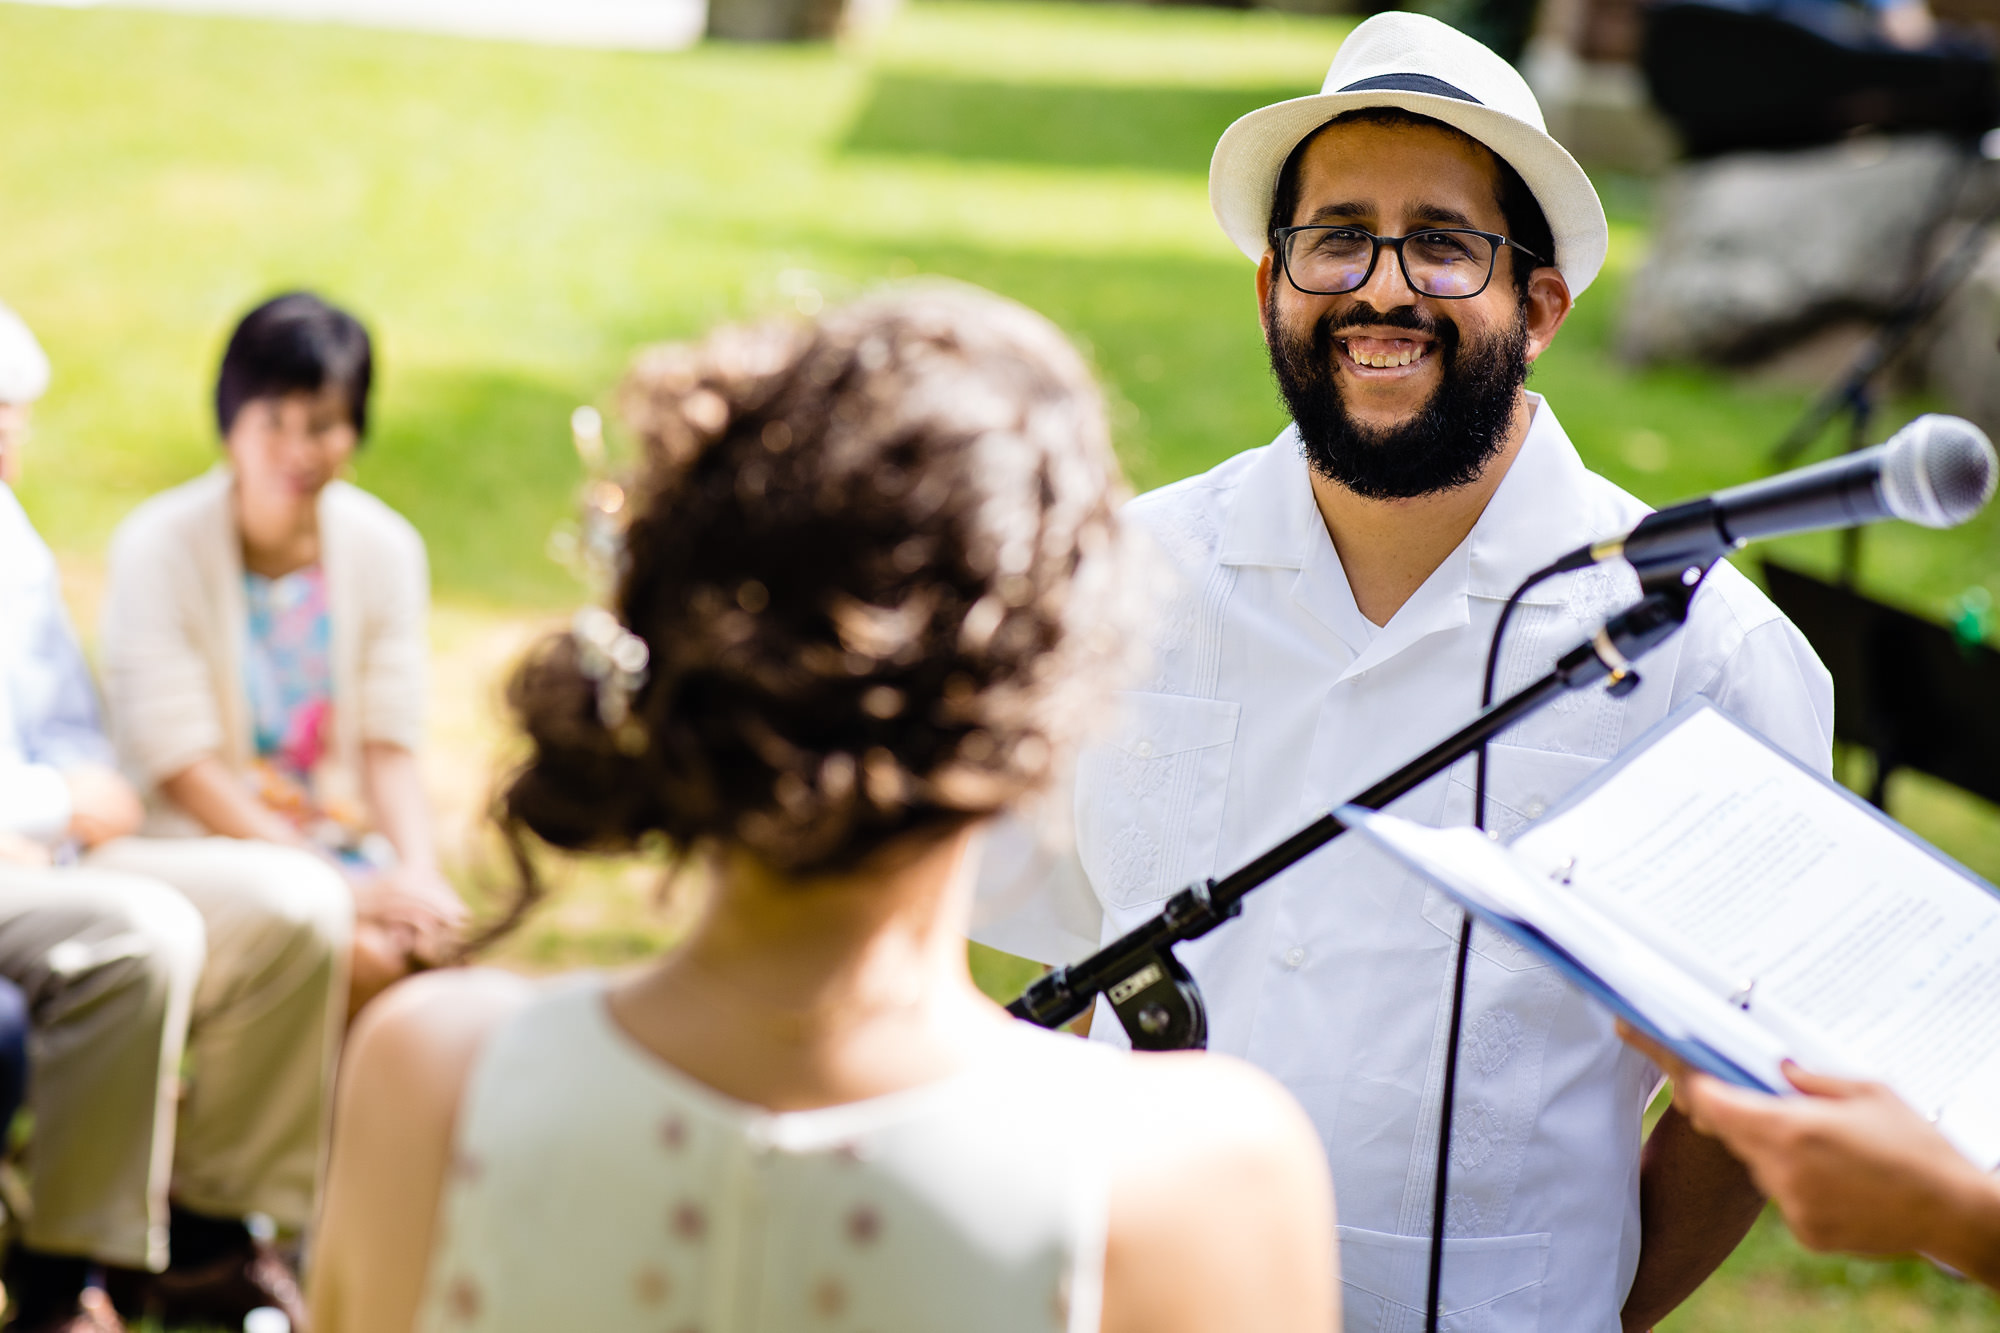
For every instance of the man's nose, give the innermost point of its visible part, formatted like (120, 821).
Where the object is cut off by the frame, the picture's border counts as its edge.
(1387, 286)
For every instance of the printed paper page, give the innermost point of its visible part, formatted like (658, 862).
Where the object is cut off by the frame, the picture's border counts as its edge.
(1866, 953)
(1488, 876)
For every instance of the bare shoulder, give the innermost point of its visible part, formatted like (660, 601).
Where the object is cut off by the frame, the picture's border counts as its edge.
(433, 1025)
(402, 1077)
(1222, 1203)
(1203, 1116)
(407, 1063)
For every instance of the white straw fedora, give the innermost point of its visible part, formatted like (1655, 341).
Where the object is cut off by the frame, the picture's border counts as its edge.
(1426, 67)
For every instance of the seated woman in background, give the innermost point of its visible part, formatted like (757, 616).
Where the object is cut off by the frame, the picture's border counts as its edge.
(264, 642)
(873, 583)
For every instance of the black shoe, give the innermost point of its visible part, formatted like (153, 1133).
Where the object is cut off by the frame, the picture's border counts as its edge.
(227, 1284)
(47, 1294)
(130, 1290)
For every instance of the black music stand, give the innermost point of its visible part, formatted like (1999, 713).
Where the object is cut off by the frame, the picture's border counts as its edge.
(1910, 690)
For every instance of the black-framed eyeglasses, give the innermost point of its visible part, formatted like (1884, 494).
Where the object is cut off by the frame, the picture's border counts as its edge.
(1449, 263)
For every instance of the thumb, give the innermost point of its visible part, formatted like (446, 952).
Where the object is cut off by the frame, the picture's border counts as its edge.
(1723, 1110)
(1824, 1085)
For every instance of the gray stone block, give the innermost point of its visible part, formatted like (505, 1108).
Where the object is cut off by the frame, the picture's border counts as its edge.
(1754, 251)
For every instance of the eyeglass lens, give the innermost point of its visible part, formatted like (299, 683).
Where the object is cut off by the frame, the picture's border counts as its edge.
(1333, 260)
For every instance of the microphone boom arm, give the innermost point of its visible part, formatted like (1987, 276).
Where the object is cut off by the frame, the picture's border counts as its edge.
(1156, 999)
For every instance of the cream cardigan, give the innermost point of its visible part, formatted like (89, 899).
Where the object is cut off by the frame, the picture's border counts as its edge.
(175, 629)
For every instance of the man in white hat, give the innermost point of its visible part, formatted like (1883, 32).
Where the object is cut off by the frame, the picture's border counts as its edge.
(1419, 240)
(128, 978)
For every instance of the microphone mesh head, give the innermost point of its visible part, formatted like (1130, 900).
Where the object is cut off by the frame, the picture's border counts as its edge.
(1939, 472)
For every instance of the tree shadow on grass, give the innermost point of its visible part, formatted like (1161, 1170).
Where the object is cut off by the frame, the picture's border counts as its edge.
(1158, 129)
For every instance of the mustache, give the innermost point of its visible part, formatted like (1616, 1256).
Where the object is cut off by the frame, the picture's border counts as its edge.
(1400, 317)
(1313, 356)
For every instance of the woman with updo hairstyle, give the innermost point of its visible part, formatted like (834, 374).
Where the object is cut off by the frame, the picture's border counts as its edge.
(873, 587)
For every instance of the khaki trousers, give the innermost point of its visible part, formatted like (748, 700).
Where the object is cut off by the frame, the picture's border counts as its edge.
(236, 950)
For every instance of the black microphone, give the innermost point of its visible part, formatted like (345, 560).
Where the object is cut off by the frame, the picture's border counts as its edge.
(1938, 471)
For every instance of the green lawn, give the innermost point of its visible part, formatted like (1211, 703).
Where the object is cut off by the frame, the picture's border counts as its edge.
(513, 221)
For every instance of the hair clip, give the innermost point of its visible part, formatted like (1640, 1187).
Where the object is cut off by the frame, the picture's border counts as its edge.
(615, 660)
(593, 547)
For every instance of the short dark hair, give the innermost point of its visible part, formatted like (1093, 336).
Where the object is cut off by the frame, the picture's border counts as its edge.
(295, 343)
(1526, 223)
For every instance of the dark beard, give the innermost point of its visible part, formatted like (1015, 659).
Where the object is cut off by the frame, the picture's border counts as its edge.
(1452, 437)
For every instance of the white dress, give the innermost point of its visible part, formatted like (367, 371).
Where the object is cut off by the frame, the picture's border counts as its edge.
(594, 1187)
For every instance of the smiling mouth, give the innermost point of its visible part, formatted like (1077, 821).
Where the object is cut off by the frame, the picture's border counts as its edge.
(1384, 353)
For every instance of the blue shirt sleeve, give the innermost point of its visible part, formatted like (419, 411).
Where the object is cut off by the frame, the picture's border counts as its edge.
(54, 703)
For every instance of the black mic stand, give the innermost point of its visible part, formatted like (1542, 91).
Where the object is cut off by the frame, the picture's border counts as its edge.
(1153, 994)
(1854, 393)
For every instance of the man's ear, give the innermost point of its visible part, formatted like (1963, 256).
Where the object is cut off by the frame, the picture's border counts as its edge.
(1264, 294)
(1549, 304)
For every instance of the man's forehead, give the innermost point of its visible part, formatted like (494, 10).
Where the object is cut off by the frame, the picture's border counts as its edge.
(1404, 167)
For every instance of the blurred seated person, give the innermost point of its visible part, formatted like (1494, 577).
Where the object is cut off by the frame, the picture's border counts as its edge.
(184, 1019)
(1737, 75)
(1850, 1165)
(874, 583)
(264, 643)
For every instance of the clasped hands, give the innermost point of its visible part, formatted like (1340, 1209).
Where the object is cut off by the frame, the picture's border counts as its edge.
(418, 911)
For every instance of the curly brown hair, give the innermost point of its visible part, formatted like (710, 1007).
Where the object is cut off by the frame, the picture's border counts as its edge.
(877, 564)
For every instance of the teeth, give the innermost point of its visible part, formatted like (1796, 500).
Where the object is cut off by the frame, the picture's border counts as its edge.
(1386, 360)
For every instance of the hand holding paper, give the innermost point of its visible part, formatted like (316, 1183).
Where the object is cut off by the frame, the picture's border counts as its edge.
(1849, 1164)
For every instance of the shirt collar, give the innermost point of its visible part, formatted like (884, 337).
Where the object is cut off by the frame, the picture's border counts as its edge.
(1274, 520)
(1543, 507)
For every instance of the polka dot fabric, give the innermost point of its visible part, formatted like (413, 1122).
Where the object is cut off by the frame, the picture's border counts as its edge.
(595, 1187)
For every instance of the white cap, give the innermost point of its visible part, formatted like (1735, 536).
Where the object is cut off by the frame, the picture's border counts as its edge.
(24, 367)
(1431, 69)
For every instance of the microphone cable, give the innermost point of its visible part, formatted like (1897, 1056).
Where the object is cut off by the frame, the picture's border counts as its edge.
(1441, 1180)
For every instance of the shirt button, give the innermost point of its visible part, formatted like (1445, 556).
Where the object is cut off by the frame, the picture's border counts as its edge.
(1295, 957)
(1534, 809)
(1144, 749)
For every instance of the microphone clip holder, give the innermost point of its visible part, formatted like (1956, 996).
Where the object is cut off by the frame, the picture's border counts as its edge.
(1156, 998)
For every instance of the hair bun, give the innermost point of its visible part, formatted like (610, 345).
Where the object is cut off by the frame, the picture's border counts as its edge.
(871, 560)
(583, 790)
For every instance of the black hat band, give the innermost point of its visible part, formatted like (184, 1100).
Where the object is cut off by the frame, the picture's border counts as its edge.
(1411, 83)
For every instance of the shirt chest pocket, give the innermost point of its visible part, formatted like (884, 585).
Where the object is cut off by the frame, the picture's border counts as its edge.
(1149, 800)
(1492, 1284)
(1521, 786)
